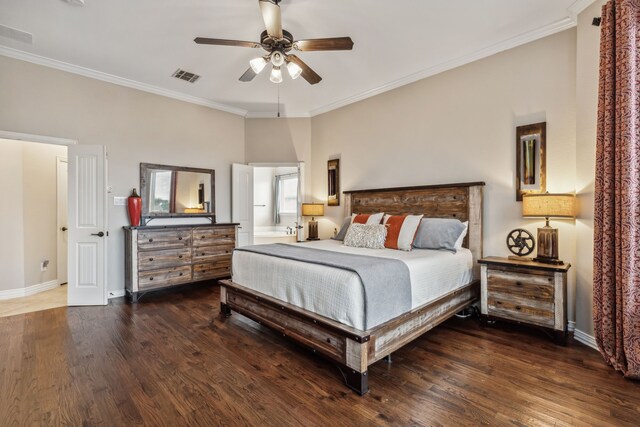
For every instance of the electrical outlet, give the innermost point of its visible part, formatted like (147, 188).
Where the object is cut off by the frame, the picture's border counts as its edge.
(119, 201)
(44, 265)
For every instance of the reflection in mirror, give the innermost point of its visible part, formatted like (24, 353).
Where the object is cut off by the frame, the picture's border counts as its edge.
(169, 191)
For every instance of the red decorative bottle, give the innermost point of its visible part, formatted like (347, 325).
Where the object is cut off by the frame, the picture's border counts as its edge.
(134, 205)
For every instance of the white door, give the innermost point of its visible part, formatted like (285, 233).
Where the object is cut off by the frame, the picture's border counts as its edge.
(87, 194)
(242, 202)
(300, 229)
(61, 197)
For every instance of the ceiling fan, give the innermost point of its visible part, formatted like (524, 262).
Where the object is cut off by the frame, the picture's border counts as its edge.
(278, 43)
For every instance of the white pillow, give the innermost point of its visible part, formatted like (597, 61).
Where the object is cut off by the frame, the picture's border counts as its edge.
(458, 244)
(373, 219)
(366, 236)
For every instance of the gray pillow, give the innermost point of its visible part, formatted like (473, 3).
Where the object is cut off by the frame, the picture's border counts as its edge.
(343, 230)
(438, 233)
(366, 236)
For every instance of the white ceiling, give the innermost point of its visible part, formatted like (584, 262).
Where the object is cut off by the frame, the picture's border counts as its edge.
(140, 43)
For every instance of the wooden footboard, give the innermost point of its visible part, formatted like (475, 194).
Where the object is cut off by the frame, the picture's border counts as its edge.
(352, 348)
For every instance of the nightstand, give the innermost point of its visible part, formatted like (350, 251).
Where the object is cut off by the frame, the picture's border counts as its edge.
(525, 292)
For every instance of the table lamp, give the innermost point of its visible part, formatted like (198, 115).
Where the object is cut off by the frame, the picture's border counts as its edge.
(547, 206)
(313, 210)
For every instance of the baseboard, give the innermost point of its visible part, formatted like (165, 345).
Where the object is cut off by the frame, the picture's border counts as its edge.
(585, 339)
(116, 294)
(29, 290)
(571, 325)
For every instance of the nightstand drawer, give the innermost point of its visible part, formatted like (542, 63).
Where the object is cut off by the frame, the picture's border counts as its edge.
(529, 286)
(505, 308)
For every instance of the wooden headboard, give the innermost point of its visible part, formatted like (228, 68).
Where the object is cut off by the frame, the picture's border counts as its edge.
(462, 201)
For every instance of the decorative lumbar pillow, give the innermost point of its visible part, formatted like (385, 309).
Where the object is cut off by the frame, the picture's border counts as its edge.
(366, 236)
(401, 229)
(369, 219)
(439, 233)
(343, 229)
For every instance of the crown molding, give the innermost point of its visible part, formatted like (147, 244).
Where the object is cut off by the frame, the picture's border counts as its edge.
(273, 115)
(110, 78)
(578, 6)
(547, 30)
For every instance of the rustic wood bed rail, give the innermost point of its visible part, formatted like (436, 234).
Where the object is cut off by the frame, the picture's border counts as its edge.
(356, 349)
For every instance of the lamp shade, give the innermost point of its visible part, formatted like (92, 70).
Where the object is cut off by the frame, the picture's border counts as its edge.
(312, 209)
(549, 205)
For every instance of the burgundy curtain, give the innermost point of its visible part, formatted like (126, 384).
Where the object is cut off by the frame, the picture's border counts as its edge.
(616, 279)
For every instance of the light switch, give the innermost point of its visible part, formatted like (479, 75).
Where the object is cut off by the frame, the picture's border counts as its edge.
(119, 201)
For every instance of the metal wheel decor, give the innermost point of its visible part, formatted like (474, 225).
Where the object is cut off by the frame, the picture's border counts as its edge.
(520, 242)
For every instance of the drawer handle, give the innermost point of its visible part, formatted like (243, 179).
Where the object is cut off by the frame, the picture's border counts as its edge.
(226, 252)
(180, 274)
(518, 284)
(150, 240)
(202, 253)
(180, 256)
(202, 237)
(150, 259)
(518, 307)
(179, 238)
(499, 302)
(150, 278)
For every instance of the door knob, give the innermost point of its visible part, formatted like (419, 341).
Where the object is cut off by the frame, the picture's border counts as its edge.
(64, 229)
(100, 234)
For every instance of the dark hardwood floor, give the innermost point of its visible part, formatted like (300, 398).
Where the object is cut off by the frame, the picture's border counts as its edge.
(169, 361)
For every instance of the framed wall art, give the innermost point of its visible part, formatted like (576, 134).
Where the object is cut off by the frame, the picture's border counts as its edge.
(531, 160)
(333, 184)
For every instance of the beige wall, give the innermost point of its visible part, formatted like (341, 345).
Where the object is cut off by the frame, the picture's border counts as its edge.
(30, 218)
(134, 126)
(459, 126)
(11, 221)
(40, 211)
(588, 52)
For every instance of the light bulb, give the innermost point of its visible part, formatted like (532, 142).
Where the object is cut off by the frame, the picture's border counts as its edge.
(294, 70)
(257, 64)
(277, 58)
(276, 75)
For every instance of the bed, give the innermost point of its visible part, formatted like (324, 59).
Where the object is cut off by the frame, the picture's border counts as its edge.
(320, 308)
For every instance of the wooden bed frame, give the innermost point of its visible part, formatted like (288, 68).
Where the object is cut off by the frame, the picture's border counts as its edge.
(353, 348)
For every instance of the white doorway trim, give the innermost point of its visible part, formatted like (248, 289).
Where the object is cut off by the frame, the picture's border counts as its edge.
(27, 137)
(62, 217)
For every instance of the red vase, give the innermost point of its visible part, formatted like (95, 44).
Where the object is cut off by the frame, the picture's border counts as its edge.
(134, 206)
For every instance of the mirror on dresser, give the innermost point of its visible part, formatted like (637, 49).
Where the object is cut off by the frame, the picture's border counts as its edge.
(176, 192)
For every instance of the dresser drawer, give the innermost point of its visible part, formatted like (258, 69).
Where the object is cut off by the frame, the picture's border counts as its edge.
(212, 253)
(165, 239)
(164, 277)
(153, 260)
(505, 307)
(523, 285)
(214, 236)
(212, 270)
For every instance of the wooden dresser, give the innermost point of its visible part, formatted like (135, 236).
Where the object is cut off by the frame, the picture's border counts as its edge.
(158, 257)
(525, 292)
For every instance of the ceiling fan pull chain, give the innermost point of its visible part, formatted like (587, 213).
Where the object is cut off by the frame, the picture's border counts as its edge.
(278, 101)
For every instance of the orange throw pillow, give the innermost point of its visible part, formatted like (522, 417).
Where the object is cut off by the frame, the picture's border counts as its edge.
(401, 229)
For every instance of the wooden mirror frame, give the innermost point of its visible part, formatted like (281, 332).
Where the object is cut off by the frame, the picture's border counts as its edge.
(333, 182)
(144, 193)
(541, 149)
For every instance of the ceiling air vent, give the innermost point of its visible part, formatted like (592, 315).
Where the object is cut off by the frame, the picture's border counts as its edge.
(185, 75)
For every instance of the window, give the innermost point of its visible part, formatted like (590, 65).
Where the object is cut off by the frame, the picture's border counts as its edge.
(288, 192)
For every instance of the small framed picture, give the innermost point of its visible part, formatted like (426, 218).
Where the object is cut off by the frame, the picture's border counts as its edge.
(333, 184)
(531, 160)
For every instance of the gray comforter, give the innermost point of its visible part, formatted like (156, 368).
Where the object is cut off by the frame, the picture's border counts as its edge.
(386, 282)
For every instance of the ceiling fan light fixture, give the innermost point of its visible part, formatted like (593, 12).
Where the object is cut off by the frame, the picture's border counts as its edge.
(277, 58)
(257, 64)
(276, 75)
(294, 70)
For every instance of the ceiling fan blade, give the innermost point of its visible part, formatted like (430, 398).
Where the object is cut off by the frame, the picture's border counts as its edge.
(335, 43)
(223, 42)
(272, 18)
(307, 73)
(248, 75)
